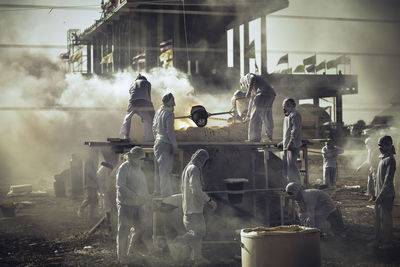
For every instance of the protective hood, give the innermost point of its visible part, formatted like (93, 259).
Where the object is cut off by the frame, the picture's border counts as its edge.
(293, 189)
(247, 80)
(134, 156)
(199, 158)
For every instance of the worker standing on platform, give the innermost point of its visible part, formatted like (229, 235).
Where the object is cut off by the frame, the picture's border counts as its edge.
(134, 205)
(291, 143)
(259, 114)
(384, 192)
(315, 206)
(90, 184)
(193, 201)
(329, 155)
(165, 146)
(140, 104)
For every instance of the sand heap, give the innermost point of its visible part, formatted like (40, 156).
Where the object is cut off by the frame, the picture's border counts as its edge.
(230, 133)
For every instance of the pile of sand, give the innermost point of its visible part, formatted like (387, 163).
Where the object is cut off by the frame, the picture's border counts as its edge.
(230, 133)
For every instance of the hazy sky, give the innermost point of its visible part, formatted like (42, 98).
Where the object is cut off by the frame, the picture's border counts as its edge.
(376, 73)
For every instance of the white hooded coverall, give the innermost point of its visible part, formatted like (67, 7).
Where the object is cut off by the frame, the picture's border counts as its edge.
(164, 145)
(291, 134)
(134, 205)
(193, 201)
(140, 104)
(330, 164)
(260, 107)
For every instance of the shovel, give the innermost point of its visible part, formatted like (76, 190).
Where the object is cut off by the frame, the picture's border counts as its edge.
(199, 115)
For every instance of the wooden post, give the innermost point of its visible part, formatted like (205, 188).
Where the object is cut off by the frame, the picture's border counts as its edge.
(89, 57)
(246, 44)
(266, 157)
(236, 50)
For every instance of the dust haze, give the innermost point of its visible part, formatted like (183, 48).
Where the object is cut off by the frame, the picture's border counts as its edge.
(48, 115)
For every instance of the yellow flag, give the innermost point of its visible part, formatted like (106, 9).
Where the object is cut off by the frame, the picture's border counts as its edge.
(107, 59)
(77, 57)
(167, 55)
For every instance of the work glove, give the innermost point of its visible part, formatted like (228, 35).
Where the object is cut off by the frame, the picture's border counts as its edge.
(290, 146)
(308, 222)
(213, 204)
(279, 145)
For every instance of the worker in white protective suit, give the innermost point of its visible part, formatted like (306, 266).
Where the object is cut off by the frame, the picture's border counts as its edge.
(384, 192)
(140, 104)
(315, 206)
(103, 177)
(372, 164)
(90, 185)
(259, 114)
(134, 206)
(291, 142)
(329, 155)
(193, 201)
(165, 146)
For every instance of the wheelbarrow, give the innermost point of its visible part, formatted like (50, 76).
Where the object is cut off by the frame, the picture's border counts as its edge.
(199, 115)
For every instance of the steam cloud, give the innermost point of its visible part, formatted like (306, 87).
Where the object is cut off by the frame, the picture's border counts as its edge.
(37, 143)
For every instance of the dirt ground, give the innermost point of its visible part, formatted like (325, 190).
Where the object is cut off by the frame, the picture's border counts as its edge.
(48, 232)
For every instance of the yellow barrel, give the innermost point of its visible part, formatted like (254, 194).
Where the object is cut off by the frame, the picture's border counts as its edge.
(283, 246)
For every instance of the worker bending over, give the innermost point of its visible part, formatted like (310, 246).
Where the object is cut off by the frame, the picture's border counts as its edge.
(315, 206)
(140, 104)
(262, 97)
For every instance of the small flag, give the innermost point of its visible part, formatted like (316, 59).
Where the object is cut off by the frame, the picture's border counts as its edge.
(77, 57)
(287, 71)
(321, 66)
(250, 51)
(343, 60)
(166, 58)
(331, 64)
(141, 58)
(107, 59)
(64, 56)
(299, 68)
(283, 59)
(311, 68)
(310, 60)
(166, 45)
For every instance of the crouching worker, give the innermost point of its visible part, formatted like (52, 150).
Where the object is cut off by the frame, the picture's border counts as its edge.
(193, 201)
(315, 206)
(134, 206)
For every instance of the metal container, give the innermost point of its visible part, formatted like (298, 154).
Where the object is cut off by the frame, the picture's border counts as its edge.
(283, 246)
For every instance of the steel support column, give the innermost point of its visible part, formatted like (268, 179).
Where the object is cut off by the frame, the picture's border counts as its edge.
(263, 46)
(246, 44)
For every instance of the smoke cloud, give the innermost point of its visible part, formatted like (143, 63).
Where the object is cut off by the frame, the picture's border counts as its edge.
(47, 114)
